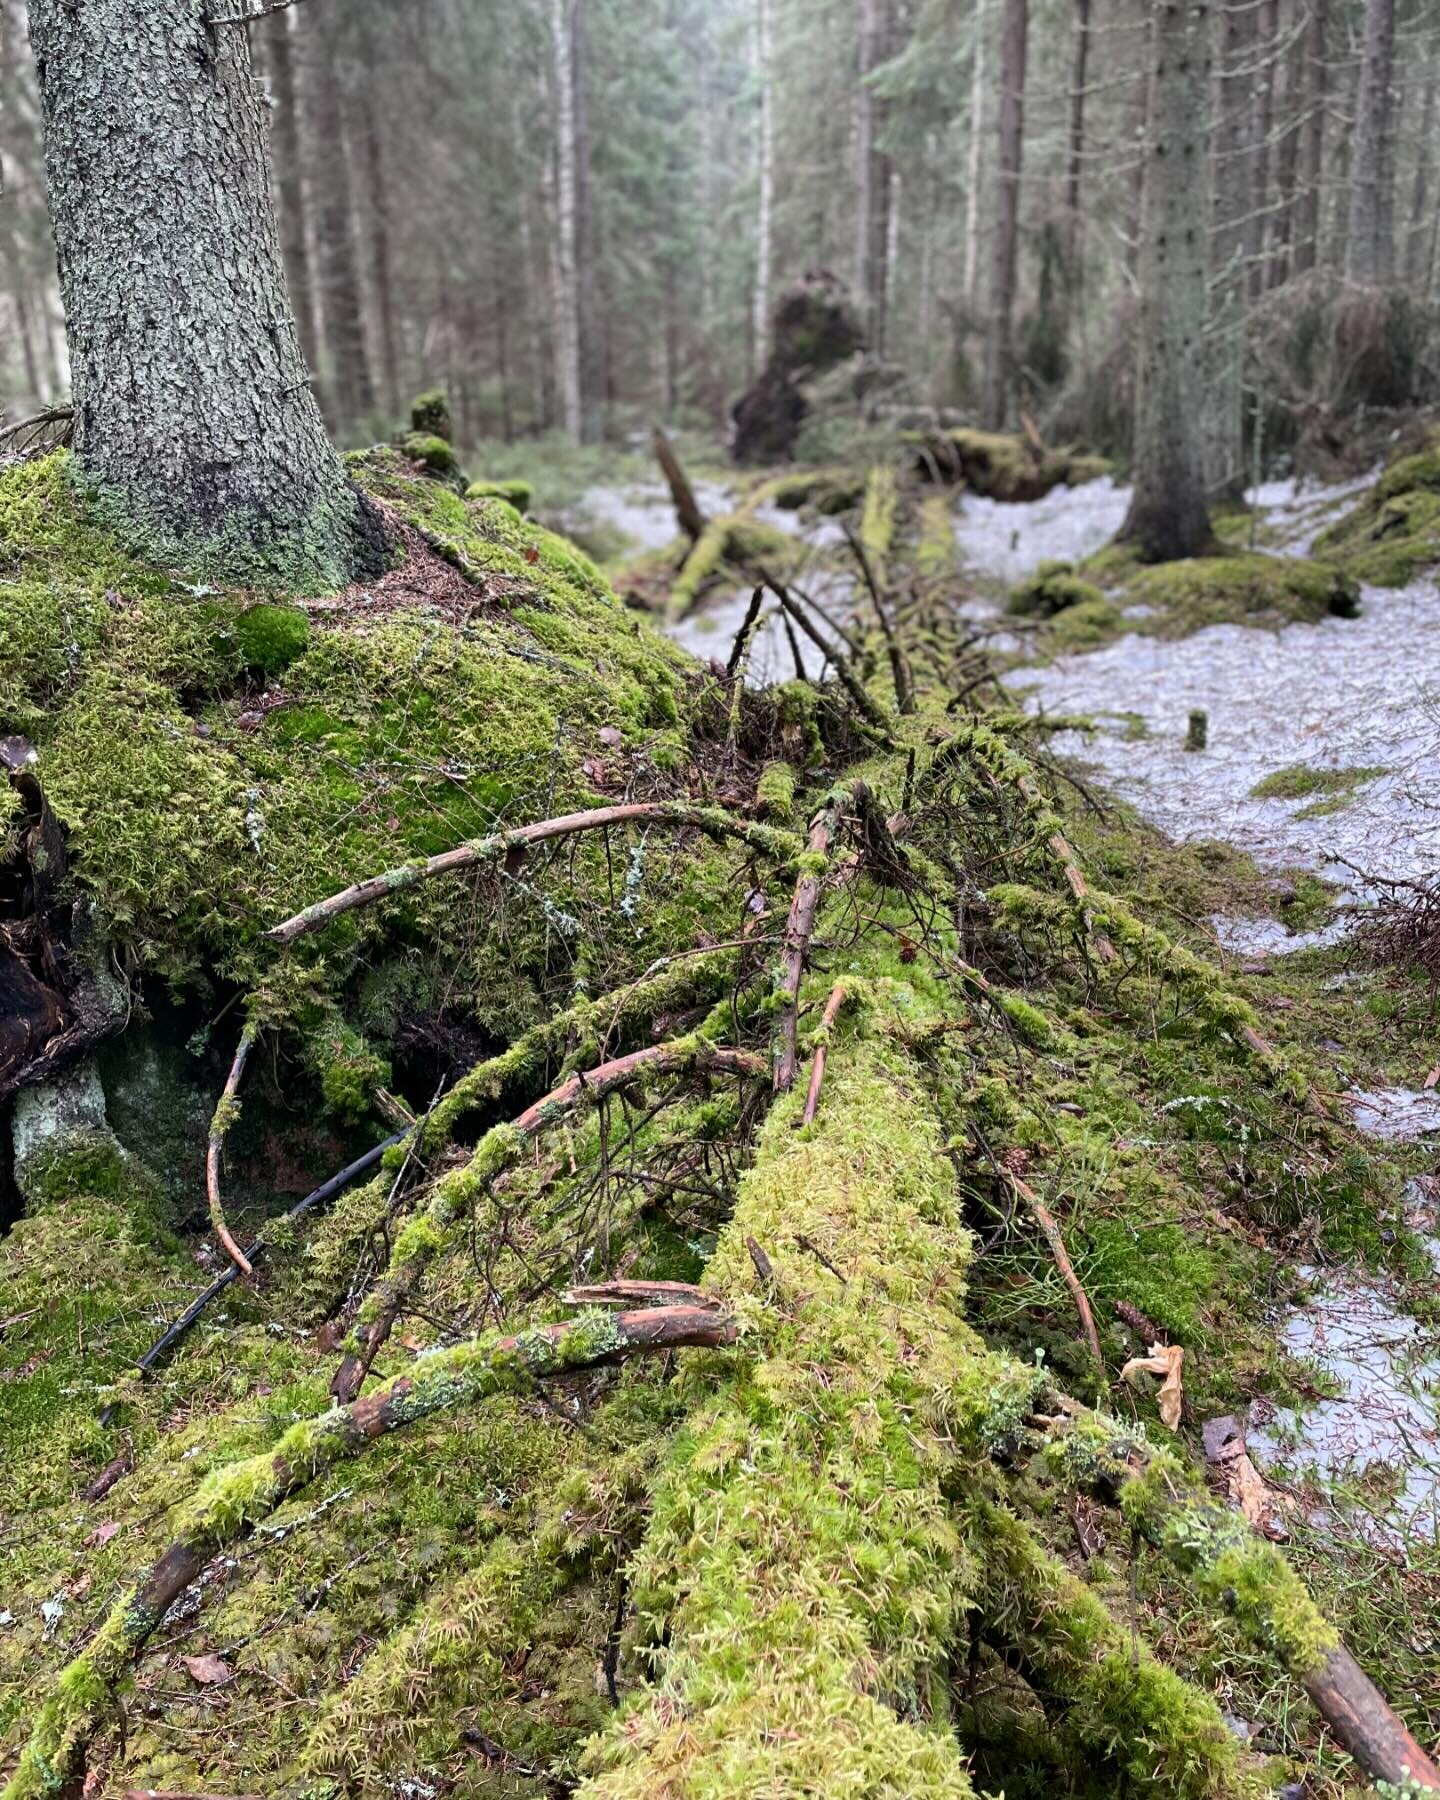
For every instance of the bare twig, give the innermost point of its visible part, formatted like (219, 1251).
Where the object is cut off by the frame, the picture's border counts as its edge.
(1047, 1222)
(899, 664)
(849, 680)
(798, 929)
(817, 1064)
(220, 1123)
(507, 847)
(499, 1150)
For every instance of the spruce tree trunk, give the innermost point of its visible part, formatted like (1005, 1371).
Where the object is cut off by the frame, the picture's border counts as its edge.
(970, 278)
(1168, 517)
(765, 190)
(1079, 72)
(1315, 89)
(1005, 245)
(1370, 244)
(1231, 203)
(194, 419)
(290, 184)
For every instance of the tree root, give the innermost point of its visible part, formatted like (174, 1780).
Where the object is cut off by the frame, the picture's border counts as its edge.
(507, 847)
(224, 1117)
(233, 1499)
(454, 1194)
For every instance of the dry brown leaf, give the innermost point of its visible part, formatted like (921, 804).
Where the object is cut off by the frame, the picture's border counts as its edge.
(102, 1534)
(208, 1671)
(1164, 1360)
(1433, 1077)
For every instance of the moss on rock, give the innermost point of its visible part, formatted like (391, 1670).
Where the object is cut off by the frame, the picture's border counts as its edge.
(1392, 534)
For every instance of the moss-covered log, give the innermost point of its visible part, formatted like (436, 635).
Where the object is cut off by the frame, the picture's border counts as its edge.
(236, 1498)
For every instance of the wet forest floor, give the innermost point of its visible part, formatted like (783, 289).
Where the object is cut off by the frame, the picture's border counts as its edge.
(1057, 960)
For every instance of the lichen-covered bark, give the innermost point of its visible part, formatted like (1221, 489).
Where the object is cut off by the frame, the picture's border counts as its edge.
(195, 425)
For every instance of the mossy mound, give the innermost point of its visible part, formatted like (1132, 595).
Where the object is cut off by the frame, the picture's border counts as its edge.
(517, 493)
(1051, 589)
(1393, 534)
(467, 688)
(1240, 588)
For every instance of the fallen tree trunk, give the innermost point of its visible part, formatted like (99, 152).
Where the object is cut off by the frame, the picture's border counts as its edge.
(232, 1500)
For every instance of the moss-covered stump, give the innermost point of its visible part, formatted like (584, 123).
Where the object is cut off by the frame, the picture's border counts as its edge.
(218, 763)
(1393, 533)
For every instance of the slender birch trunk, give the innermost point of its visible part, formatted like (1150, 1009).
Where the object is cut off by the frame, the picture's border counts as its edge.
(565, 302)
(1005, 244)
(765, 188)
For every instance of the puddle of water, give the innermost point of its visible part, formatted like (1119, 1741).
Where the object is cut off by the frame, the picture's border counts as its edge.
(1343, 693)
(1008, 541)
(1399, 1115)
(1271, 937)
(1385, 1377)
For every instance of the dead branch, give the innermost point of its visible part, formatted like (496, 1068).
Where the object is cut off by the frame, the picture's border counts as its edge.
(232, 1500)
(1048, 1223)
(817, 1062)
(849, 680)
(173, 1333)
(798, 929)
(899, 663)
(687, 507)
(498, 1150)
(220, 1123)
(506, 846)
(1199, 1533)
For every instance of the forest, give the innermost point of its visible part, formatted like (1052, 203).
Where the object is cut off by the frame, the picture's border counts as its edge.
(719, 899)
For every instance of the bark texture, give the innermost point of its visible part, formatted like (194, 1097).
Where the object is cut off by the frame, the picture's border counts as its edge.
(1370, 244)
(194, 420)
(1014, 33)
(1168, 516)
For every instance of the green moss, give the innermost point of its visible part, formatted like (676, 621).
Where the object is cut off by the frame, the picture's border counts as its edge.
(1086, 623)
(1393, 533)
(514, 493)
(1217, 590)
(1052, 589)
(270, 637)
(430, 415)
(775, 791)
(436, 456)
(1300, 782)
